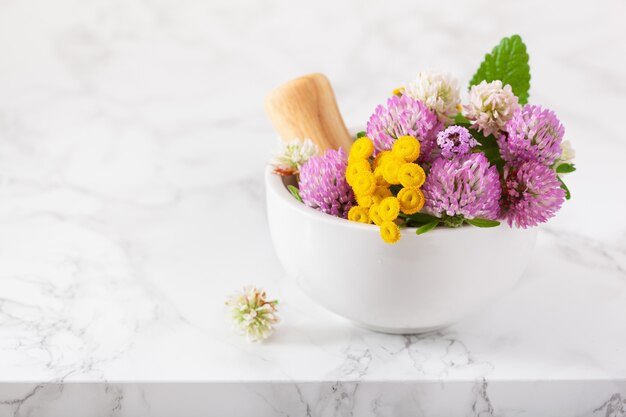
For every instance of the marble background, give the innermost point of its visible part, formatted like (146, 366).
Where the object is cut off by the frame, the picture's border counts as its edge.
(132, 147)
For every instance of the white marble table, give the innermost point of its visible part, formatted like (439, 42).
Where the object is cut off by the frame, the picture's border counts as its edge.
(132, 147)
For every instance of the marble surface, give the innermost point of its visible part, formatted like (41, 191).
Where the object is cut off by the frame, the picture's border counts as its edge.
(132, 150)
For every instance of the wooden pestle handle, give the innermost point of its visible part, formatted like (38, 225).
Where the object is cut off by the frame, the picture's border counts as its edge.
(306, 108)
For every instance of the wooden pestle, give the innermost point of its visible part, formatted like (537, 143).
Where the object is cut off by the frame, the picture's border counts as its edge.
(306, 108)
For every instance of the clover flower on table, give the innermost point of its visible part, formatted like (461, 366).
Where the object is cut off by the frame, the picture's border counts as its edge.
(252, 313)
(371, 182)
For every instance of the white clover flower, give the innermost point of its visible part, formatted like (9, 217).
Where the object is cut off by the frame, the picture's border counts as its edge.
(291, 156)
(252, 314)
(438, 91)
(567, 154)
(490, 106)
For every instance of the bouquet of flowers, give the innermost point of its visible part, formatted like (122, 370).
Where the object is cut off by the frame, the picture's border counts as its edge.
(426, 160)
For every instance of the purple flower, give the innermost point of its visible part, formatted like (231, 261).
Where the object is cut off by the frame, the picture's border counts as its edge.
(465, 186)
(403, 116)
(532, 194)
(455, 141)
(534, 133)
(323, 183)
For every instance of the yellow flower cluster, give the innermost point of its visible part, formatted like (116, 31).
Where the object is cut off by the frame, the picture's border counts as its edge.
(371, 180)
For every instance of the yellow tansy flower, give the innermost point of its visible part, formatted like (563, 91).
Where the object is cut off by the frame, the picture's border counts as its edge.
(362, 148)
(365, 200)
(356, 166)
(380, 193)
(364, 183)
(380, 179)
(411, 175)
(374, 216)
(411, 200)
(391, 167)
(389, 231)
(389, 208)
(407, 148)
(380, 158)
(359, 214)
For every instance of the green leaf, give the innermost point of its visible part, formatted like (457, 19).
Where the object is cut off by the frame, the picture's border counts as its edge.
(461, 120)
(565, 168)
(421, 218)
(427, 227)
(452, 221)
(489, 146)
(568, 195)
(295, 192)
(483, 222)
(485, 141)
(507, 62)
(395, 189)
(361, 134)
(492, 154)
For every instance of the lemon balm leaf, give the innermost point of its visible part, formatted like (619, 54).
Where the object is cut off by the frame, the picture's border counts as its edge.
(507, 62)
